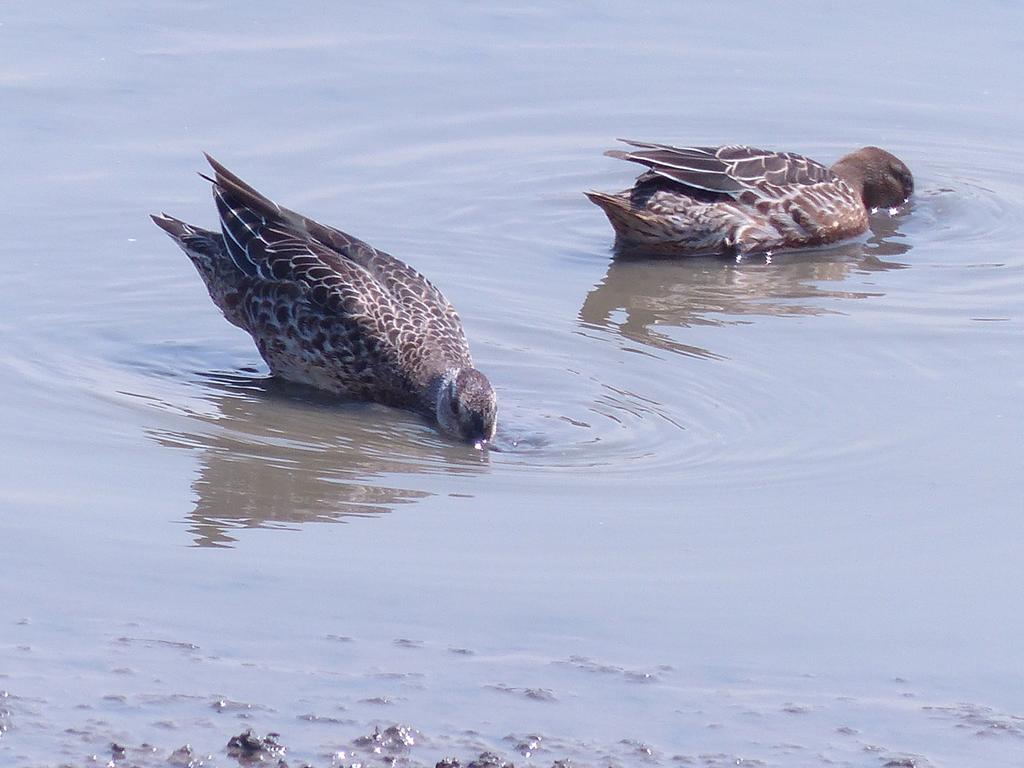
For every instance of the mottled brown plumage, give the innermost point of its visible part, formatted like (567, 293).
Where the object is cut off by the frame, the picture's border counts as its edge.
(733, 200)
(329, 310)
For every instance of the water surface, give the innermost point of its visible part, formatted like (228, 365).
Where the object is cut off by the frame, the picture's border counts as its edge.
(757, 511)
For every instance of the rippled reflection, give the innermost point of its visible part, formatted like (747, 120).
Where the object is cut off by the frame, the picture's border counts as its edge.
(274, 455)
(641, 292)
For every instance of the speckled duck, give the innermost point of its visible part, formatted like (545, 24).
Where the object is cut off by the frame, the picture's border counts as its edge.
(735, 200)
(331, 311)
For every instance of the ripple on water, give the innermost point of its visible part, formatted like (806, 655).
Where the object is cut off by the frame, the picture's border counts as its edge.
(267, 453)
(625, 382)
(962, 213)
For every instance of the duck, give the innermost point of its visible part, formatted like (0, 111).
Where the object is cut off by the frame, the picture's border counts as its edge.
(328, 310)
(735, 200)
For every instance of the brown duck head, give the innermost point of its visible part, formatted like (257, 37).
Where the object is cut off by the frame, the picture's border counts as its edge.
(881, 179)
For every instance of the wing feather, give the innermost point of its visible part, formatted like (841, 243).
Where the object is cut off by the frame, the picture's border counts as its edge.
(339, 271)
(727, 170)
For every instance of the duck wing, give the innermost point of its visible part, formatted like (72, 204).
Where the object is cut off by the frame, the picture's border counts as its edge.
(339, 272)
(728, 170)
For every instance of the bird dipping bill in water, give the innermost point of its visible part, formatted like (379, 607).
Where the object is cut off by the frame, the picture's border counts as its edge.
(331, 311)
(735, 200)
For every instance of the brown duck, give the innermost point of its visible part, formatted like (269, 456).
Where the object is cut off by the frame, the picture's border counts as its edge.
(735, 200)
(331, 311)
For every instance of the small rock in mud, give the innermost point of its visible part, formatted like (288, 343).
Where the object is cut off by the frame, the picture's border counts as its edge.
(310, 717)
(526, 745)
(181, 757)
(638, 748)
(227, 705)
(489, 760)
(117, 752)
(247, 747)
(394, 738)
(534, 694)
(448, 762)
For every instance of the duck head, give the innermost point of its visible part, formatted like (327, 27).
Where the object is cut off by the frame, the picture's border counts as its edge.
(467, 406)
(881, 178)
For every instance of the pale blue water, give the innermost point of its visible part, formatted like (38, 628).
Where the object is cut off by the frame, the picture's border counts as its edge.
(759, 512)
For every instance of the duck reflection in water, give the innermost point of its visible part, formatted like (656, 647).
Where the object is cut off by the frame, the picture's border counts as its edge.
(653, 291)
(279, 455)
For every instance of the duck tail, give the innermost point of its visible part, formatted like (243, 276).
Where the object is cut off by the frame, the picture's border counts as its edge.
(629, 223)
(240, 191)
(206, 250)
(192, 240)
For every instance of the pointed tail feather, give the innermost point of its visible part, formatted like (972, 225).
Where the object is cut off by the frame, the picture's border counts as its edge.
(191, 239)
(206, 250)
(628, 222)
(176, 228)
(234, 196)
(246, 194)
(244, 213)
